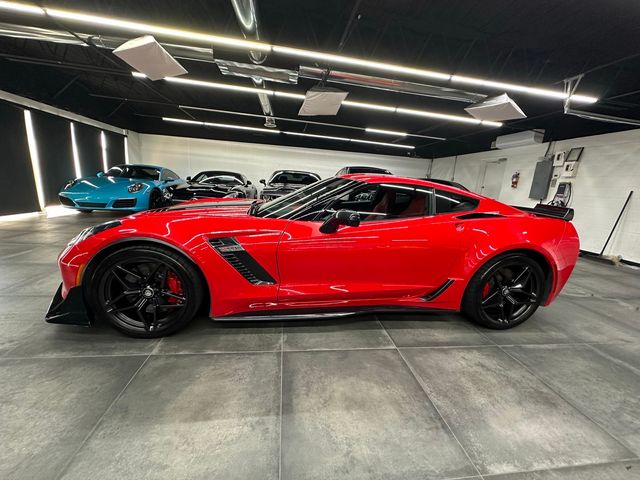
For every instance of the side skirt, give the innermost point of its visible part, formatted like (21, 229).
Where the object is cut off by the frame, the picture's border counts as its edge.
(321, 314)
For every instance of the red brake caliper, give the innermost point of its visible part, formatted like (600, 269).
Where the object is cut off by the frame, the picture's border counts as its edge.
(485, 290)
(174, 286)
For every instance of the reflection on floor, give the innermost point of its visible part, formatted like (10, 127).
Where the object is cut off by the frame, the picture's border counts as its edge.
(388, 397)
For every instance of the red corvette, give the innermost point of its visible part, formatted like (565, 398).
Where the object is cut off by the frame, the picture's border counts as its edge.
(337, 247)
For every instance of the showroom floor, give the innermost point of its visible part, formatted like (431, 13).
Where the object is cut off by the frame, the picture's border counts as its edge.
(388, 397)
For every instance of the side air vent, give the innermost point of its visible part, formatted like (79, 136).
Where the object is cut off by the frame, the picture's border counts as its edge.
(239, 258)
(438, 291)
(471, 216)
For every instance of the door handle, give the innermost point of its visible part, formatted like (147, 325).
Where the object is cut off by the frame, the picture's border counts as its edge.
(459, 227)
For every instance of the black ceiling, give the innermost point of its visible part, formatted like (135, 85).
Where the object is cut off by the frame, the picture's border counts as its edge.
(531, 43)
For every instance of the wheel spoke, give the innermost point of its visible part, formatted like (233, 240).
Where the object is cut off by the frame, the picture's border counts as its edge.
(128, 272)
(522, 278)
(171, 305)
(173, 295)
(493, 296)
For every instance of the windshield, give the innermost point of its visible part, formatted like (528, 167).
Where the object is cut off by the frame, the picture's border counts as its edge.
(300, 178)
(218, 178)
(134, 171)
(294, 202)
(367, 170)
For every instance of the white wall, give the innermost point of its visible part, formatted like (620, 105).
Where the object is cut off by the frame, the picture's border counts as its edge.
(609, 168)
(188, 156)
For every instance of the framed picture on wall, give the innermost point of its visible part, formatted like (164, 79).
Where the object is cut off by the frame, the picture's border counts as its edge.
(574, 154)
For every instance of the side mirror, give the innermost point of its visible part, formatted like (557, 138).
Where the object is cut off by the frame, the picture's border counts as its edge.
(188, 179)
(263, 181)
(100, 174)
(341, 217)
(249, 183)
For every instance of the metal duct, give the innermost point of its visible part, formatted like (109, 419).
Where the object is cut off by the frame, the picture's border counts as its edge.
(247, 16)
(390, 84)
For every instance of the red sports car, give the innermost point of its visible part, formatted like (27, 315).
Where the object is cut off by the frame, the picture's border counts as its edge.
(356, 243)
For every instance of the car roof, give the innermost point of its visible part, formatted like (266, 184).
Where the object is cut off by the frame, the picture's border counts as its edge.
(295, 171)
(220, 172)
(376, 178)
(143, 165)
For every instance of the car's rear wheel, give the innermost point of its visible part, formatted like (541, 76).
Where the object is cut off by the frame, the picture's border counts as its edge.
(145, 291)
(155, 199)
(505, 292)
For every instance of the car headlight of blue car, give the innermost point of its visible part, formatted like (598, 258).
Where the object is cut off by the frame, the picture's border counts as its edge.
(136, 187)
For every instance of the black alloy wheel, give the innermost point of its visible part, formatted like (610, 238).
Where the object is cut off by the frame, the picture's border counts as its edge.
(505, 292)
(145, 291)
(155, 199)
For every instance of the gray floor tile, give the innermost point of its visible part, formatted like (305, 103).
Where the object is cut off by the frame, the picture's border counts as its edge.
(14, 276)
(361, 415)
(49, 237)
(52, 340)
(13, 332)
(335, 335)
(191, 416)
(46, 280)
(432, 330)
(30, 309)
(565, 321)
(506, 419)
(43, 254)
(609, 471)
(605, 391)
(627, 354)
(204, 335)
(48, 407)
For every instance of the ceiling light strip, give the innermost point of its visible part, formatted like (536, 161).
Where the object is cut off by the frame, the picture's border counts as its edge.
(385, 132)
(269, 130)
(328, 58)
(297, 120)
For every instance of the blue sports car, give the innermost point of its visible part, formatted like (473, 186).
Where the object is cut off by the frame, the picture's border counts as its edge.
(123, 187)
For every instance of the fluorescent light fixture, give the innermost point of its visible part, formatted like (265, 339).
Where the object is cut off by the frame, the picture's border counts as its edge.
(126, 150)
(21, 7)
(540, 92)
(220, 125)
(385, 132)
(221, 86)
(270, 130)
(370, 106)
(296, 96)
(329, 58)
(341, 59)
(138, 75)
(355, 140)
(35, 158)
(103, 147)
(74, 149)
(313, 135)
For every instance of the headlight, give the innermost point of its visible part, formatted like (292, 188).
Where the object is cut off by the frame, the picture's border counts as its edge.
(69, 184)
(136, 187)
(88, 232)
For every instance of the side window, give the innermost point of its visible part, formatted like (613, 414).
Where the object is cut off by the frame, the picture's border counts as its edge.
(377, 202)
(448, 202)
(169, 175)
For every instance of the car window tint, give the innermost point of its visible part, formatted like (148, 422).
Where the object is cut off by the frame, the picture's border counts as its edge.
(294, 177)
(169, 175)
(375, 202)
(449, 202)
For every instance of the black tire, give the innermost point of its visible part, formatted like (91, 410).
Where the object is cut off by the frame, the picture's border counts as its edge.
(505, 292)
(165, 291)
(155, 199)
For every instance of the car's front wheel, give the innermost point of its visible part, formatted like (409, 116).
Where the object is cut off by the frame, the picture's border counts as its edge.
(145, 291)
(504, 292)
(155, 199)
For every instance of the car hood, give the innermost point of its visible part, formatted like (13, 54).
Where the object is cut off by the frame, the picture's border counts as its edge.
(91, 184)
(284, 186)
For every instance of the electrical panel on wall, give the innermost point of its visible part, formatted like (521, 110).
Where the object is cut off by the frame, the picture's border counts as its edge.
(541, 179)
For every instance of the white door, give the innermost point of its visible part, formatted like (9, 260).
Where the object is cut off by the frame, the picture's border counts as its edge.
(492, 181)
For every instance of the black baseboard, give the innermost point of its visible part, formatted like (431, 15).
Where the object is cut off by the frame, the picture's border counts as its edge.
(599, 258)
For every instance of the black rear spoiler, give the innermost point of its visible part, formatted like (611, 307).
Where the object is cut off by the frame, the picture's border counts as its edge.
(552, 211)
